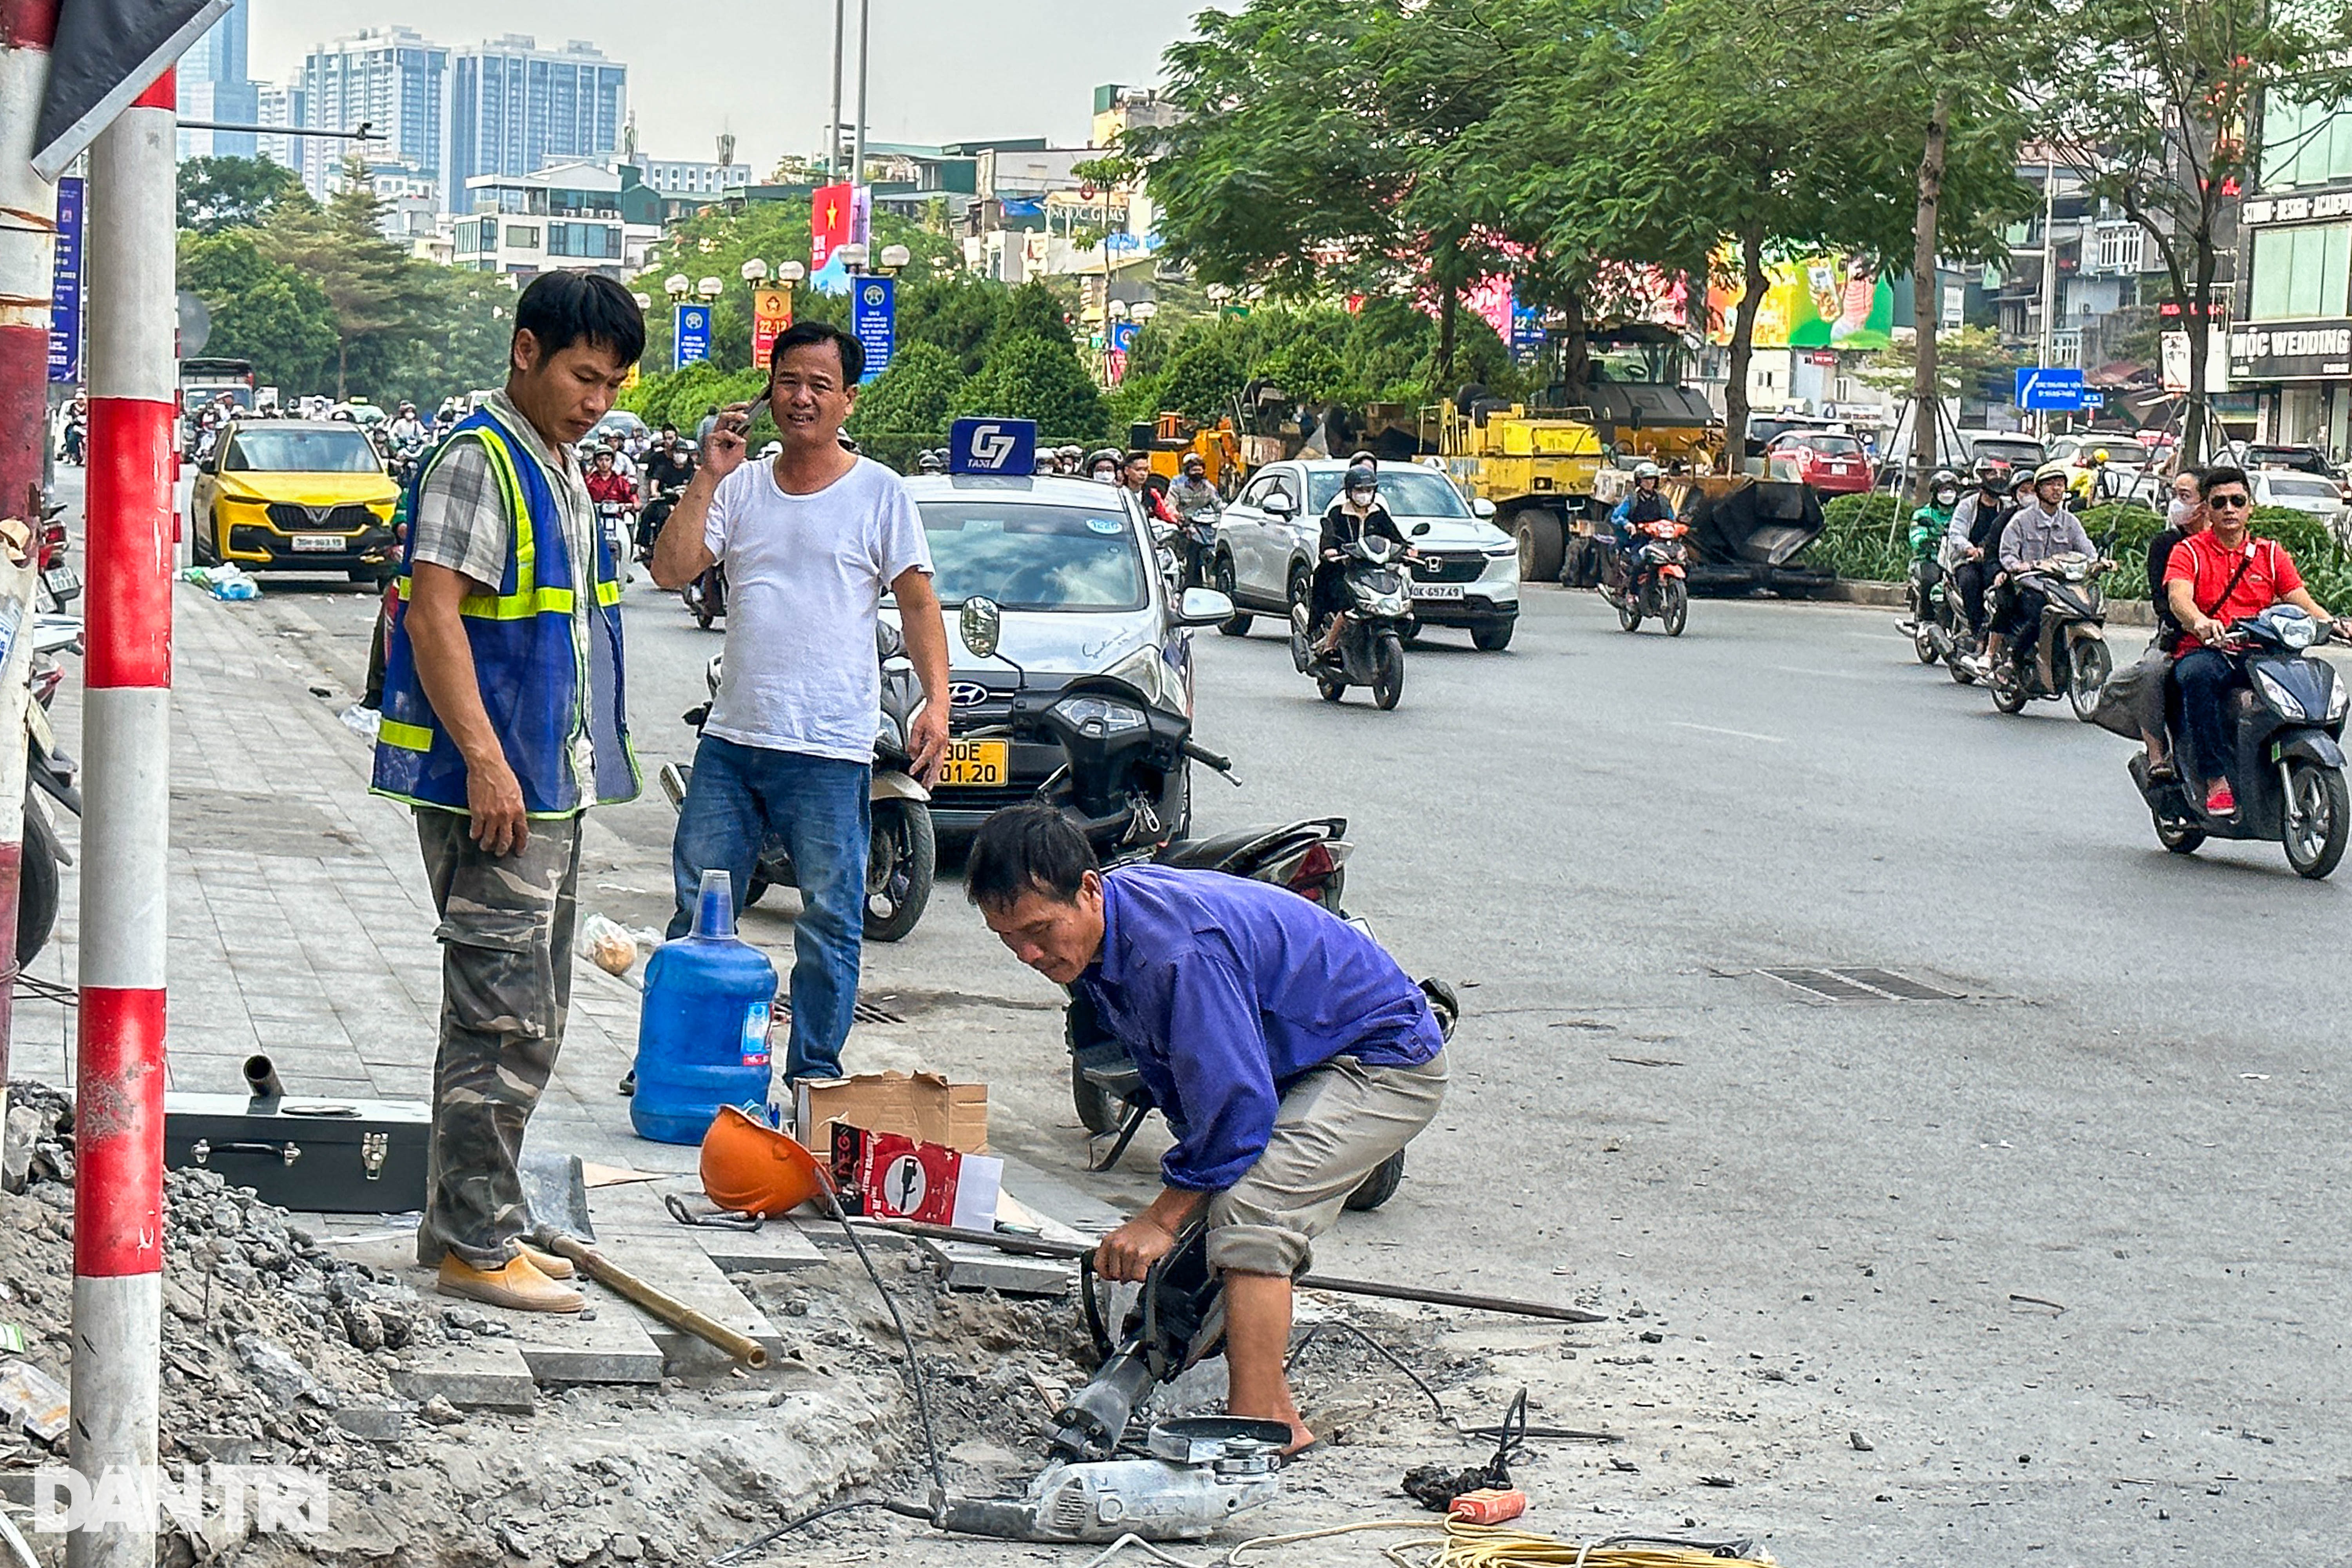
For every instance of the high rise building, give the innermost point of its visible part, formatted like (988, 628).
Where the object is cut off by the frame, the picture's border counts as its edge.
(515, 109)
(388, 79)
(275, 105)
(214, 85)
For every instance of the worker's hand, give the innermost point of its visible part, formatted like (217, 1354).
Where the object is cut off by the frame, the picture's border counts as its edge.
(927, 743)
(2210, 632)
(2341, 628)
(729, 441)
(1976, 552)
(494, 798)
(1129, 1252)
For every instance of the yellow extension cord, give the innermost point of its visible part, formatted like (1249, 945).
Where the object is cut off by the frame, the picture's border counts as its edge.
(1494, 1546)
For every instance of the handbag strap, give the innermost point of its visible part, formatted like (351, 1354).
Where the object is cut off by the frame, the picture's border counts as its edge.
(2245, 564)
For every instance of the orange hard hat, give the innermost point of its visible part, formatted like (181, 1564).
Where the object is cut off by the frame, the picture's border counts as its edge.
(750, 1167)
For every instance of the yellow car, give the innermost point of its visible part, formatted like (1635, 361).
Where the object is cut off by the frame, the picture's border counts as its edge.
(296, 495)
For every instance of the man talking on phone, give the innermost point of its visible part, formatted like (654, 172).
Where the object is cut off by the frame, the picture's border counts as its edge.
(811, 541)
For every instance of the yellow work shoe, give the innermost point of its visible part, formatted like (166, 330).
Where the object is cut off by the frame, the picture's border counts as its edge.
(517, 1284)
(553, 1264)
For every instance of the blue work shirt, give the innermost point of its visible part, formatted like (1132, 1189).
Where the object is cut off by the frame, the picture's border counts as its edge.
(1226, 991)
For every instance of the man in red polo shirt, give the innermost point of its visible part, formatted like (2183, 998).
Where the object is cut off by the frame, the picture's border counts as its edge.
(2213, 578)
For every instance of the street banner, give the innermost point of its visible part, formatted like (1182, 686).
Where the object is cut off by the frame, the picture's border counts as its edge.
(992, 447)
(874, 317)
(691, 343)
(771, 315)
(1818, 302)
(107, 53)
(2049, 388)
(65, 286)
(833, 222)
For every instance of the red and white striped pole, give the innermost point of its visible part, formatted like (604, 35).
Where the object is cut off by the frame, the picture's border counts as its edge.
(126, 805)
(28, 226)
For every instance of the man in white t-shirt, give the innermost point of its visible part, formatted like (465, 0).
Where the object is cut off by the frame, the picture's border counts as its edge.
(811, 541)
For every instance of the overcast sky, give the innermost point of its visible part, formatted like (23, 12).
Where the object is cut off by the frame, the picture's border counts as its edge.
(944, 71)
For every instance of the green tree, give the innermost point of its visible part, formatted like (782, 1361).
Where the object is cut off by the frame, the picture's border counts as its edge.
(381, 300)
(262, 311)
(1029, 378)
(911, 397)
(1203, 376)
(217, 193)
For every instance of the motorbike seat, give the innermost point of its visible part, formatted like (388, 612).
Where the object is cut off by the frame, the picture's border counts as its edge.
(1206, 854)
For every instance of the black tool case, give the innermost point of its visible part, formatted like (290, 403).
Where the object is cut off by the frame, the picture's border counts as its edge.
(316, 1152)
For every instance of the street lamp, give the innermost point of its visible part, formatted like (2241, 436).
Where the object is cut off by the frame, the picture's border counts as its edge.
(790, 272)
(678, 286)
(755, 272)
(645, 302)
(894, 256)
(1117, 311)
(853, 256)
(710, 287)
(1144, 309)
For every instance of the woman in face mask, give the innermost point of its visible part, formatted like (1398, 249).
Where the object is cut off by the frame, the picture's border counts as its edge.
(2140, 697)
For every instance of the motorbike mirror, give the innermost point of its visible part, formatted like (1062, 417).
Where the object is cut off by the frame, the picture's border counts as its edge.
(1481, 507)
(1203, 607)
(889, 642)
(980, 625)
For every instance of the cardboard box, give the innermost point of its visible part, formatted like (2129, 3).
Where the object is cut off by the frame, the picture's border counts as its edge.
(926, 1108)
(887, 1176)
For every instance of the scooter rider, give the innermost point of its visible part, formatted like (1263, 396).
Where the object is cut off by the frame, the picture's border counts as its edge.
(405, 429)
(1291, 1055)
(1641, 504)
(1974, 534)
(1930, 526)
(2040, 528)
(1354, 513)
(1103, 465)
(1192, 493)
(2214, 577)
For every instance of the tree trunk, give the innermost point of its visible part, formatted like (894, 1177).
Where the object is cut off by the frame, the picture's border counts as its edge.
(342, 368)
(1743, 349)
(1926, 303)
(1575, 350)
(2195, 313)
(1449, 306)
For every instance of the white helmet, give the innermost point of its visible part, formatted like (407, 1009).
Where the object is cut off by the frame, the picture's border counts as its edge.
(1647, 471)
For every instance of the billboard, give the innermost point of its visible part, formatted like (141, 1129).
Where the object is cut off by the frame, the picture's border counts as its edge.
(772, 316)
(1817, 302)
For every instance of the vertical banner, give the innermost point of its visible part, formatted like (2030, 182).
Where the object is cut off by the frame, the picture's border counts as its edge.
(874, 317)
(861, 215)
(832, 222)
(771, 315)
(691, 343)
(65, 286)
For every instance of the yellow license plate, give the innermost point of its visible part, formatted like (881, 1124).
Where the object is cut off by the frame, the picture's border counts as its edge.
(974, 763)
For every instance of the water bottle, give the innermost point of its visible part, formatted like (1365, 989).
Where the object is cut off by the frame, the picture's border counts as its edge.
(702, 1032)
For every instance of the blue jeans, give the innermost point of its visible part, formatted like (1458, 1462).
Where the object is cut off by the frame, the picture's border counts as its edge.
(742, 797)
(2206, 676)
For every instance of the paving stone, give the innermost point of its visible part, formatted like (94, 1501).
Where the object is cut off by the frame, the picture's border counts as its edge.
(610, 1347)
(484, 1375)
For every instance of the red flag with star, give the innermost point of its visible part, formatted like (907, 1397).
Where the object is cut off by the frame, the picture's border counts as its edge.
(833, 222)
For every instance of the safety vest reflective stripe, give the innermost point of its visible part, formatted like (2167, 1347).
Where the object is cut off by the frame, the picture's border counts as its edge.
(528, 599)
(408, 737)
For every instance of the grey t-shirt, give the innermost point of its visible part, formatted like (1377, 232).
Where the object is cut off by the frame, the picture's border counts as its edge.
(806, 576)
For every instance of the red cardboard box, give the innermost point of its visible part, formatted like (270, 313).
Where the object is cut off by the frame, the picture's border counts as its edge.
(889, 1175)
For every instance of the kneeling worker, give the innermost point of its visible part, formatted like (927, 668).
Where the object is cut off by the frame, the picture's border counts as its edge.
(1290, 1052)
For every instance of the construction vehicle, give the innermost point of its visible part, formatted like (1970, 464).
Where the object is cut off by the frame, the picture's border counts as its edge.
(1172, 435)
(1537, 468)
(1745, 534)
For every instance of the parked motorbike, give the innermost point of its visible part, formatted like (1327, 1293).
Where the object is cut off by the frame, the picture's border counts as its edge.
(1656, 583)
(47, 771)
(705, 596)
(2286, 764)
(903, 856)
(2068, 657)
(1372, 636)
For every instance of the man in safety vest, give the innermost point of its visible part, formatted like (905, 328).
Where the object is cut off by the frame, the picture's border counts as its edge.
(503, 721)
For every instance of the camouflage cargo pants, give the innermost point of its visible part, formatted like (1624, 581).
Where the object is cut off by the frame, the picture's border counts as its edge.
(505, 983)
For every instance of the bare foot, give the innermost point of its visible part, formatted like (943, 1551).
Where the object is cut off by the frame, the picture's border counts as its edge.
(1301, 1439)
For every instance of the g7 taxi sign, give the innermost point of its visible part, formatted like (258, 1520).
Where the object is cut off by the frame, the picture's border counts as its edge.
(992, 447)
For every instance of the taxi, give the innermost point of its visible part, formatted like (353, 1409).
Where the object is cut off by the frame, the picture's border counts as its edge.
(296, 495)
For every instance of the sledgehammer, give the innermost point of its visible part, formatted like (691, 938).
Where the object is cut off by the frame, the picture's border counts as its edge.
(669, 1309)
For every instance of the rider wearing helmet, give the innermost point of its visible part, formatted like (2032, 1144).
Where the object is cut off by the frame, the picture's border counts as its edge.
(2093, 484)
(1354, 513)
(929, 461)
(1103, 465)
(1068, 458)
(1642, 504)
(405, 429)
(1192, 494)
(1972, 539)
(2040, 528)
(1929, 526)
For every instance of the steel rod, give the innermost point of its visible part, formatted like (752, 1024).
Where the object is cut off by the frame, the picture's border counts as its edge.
(1039, 1247)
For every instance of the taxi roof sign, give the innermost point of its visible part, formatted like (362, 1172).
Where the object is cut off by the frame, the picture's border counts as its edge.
(989, 445)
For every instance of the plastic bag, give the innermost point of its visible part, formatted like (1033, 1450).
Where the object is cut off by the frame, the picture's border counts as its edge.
(614, 947)
(32, 1399)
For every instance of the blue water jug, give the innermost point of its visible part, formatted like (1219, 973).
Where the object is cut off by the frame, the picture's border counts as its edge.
(702, 1032)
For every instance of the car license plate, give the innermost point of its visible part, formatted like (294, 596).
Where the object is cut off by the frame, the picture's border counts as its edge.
(974, 765)
(317, 541)
(63, 581)
(1437, 590)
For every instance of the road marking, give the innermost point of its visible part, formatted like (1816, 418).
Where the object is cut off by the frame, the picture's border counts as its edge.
(1825, 674)
(1737, 734)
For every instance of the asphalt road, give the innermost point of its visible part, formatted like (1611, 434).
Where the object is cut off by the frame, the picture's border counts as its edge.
(1829, 1210)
